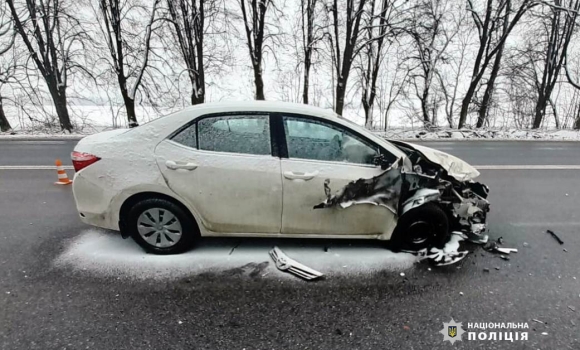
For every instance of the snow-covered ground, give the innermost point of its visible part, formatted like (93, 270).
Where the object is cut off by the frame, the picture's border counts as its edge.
(105, 253)
(480, 134)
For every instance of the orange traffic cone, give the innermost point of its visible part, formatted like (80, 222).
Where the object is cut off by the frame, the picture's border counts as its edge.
(62, 177)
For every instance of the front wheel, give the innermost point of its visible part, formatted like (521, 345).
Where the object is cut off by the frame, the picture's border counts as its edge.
(161, 227)
(420, 228)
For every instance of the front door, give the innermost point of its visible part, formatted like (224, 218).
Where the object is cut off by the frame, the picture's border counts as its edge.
(224, 167)
(319, 151)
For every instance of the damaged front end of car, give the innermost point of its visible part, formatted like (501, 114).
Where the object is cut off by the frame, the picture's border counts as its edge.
(422, 177)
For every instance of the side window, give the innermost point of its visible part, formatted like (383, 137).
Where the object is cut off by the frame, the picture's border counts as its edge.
(248, 134)
(310, 139)
(187, 136)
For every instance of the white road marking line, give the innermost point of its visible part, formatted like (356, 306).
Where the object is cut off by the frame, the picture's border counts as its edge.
(42, 143)
(527, 167)
(479, 167)
(544, 224)
(33, 167)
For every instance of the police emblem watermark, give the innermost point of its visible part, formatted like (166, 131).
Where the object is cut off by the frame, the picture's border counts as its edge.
(505, 331)
(452, 331)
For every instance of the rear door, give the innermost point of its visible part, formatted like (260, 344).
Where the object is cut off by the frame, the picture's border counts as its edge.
(318, 150)
(224, 167)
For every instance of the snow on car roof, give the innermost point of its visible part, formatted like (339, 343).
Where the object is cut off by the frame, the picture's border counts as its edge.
(262, 106)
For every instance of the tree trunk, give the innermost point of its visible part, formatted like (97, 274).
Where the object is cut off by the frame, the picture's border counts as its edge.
(540, 111)
(59, 99)
(306, 80)
(340, 92)
(259, 82)
(4, 124)
(577, 121)
(195, 98)
(465, 105)
(368, 118)
(483, 110)
(130, 108)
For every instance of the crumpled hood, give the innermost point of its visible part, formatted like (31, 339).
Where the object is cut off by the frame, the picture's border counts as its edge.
(456, 168)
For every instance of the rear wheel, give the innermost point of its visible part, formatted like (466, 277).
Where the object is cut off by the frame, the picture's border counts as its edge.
(161, 226)
(421, 227)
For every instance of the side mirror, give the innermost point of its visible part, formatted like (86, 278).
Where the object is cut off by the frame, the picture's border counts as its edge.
(381, 161)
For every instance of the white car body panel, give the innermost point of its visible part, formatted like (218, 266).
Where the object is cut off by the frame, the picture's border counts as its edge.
(232, 192)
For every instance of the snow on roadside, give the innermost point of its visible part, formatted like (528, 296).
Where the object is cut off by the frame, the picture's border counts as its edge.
(481, 134)
(105, 253)
(394, 134)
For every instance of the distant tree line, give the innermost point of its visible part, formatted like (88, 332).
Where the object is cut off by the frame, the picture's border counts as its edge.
(469, 60)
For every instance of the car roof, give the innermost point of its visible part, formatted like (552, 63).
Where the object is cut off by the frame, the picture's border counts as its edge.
(261, 106)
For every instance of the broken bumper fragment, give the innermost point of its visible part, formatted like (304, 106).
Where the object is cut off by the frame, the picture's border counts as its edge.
(286, 264)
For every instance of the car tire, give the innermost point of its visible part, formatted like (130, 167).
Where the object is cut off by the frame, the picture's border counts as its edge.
(421, 227)
(173, 231)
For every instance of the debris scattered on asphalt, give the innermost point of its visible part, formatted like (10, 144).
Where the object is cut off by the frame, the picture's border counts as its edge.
(572, 308)
(407, 328)
(486, 270)
(492, 246)
(286, 264)
(179, 322)
(565, 250)
(497, 268)
(460, 293)
(402, 274)
(536, 320)
(544, 333)
(500, 240)
(446, 256)
(526, 244)
(504, 257)
(555, 236)
(506, 250)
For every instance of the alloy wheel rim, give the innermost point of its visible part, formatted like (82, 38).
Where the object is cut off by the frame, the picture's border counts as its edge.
(159, 227)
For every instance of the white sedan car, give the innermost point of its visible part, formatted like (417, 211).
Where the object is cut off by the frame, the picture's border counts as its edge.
(270, 169)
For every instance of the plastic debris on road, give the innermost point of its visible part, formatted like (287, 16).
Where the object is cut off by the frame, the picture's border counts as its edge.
(286, 264)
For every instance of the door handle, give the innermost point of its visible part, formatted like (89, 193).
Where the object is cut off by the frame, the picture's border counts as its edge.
(291, 175)
(173, 165)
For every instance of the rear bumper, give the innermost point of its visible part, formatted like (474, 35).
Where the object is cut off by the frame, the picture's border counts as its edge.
(94, 203)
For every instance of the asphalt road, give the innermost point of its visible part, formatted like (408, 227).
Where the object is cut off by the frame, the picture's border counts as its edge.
(30, 152)
(44, 305)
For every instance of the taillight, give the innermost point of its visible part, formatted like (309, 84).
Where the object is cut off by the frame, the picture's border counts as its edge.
(82, 160)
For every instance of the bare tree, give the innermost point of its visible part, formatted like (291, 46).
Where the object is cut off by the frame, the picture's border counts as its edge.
(342, 58)
(254, 16)
(188, 20)
(113, 25)
(574, 82)
(7, 36)
(388, 98)
(51, 33)
(311, 35)
(430, 38)
(377, 27)
(490, 42)
(562, 22)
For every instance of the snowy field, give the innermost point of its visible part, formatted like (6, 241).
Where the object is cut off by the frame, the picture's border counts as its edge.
(93, 119)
